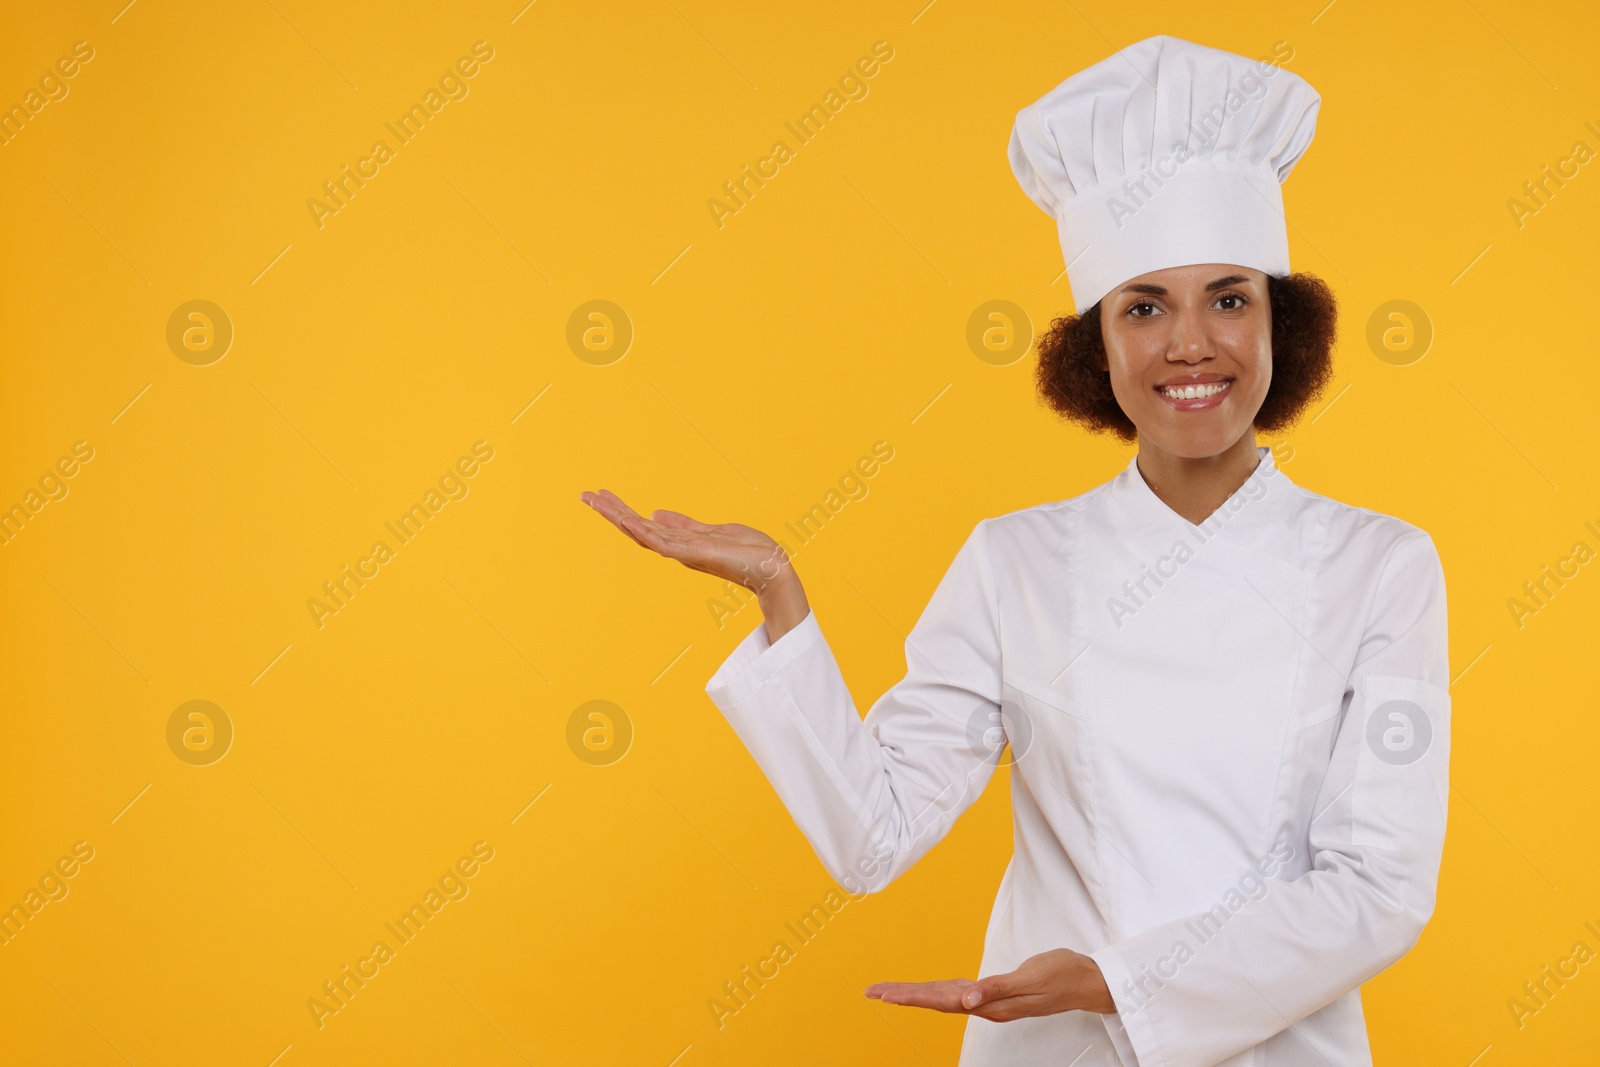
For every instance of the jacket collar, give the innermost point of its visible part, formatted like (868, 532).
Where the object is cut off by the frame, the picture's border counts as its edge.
(1245, 518)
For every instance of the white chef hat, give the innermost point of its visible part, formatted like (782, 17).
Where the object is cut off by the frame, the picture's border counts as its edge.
(1164, 154)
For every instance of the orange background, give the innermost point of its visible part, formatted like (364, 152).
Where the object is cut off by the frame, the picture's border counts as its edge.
(431, 312)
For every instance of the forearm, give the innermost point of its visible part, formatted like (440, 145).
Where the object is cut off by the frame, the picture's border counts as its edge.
(796, 717)
(873, 794)
(1211, 987)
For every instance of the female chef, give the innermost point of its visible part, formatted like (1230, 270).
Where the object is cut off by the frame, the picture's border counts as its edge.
(1225, 696)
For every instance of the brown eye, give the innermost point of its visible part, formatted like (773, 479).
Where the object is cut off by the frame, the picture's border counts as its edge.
(1141, 304)
(1232, 296)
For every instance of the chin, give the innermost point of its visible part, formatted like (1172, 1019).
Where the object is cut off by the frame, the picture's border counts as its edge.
(1195, 442)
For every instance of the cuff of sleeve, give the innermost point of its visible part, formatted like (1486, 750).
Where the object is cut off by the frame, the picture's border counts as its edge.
(1119, 1040)
(1131, 1033)
(754, 660)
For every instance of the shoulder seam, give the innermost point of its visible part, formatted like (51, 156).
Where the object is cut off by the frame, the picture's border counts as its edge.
(1051, 505)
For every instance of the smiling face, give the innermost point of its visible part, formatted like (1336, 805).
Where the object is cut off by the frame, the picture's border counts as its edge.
(1190, 355)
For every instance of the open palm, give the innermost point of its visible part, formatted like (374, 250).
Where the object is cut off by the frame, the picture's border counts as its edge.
(1050, 982)
(730, 550)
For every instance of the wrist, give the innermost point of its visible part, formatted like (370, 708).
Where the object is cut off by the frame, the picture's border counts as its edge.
(1097, 993)
(774, 580)
(783, 603)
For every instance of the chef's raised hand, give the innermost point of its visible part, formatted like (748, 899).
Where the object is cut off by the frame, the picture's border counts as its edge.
(1051, 982)
(730, 551)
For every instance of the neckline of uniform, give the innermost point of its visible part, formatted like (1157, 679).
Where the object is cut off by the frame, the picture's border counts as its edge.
(1240, 514)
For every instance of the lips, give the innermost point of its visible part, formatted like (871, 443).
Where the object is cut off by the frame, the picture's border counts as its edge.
(1195, 392)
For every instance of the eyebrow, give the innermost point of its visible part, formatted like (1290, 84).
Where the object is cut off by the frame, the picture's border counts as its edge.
(1156, 290)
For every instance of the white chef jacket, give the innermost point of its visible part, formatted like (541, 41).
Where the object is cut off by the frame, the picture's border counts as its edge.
(1188, 708)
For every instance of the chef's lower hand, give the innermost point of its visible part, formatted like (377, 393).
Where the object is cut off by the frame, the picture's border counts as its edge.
(1055, 981)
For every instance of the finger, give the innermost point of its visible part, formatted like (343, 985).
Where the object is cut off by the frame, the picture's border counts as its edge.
(939, 996)
(1009, 1008)
(629, 521)
(607, 508)
(681, 538)
(878, 990)
(674, 544)
(895, 992)
(609, 504)
(679, 520)
(995, 987)
(622, 524)
(932, 1000)
(640, 530)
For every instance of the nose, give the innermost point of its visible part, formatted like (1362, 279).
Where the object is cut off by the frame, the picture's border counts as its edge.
(1190, 341)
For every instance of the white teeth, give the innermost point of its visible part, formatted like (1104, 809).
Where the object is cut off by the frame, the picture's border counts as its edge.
(1194, 392)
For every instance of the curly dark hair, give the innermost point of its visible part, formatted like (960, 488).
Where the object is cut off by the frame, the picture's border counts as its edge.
(1304, 326)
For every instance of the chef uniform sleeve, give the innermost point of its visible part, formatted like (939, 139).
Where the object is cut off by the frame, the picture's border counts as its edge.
(872, 796)
(1376, 837)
